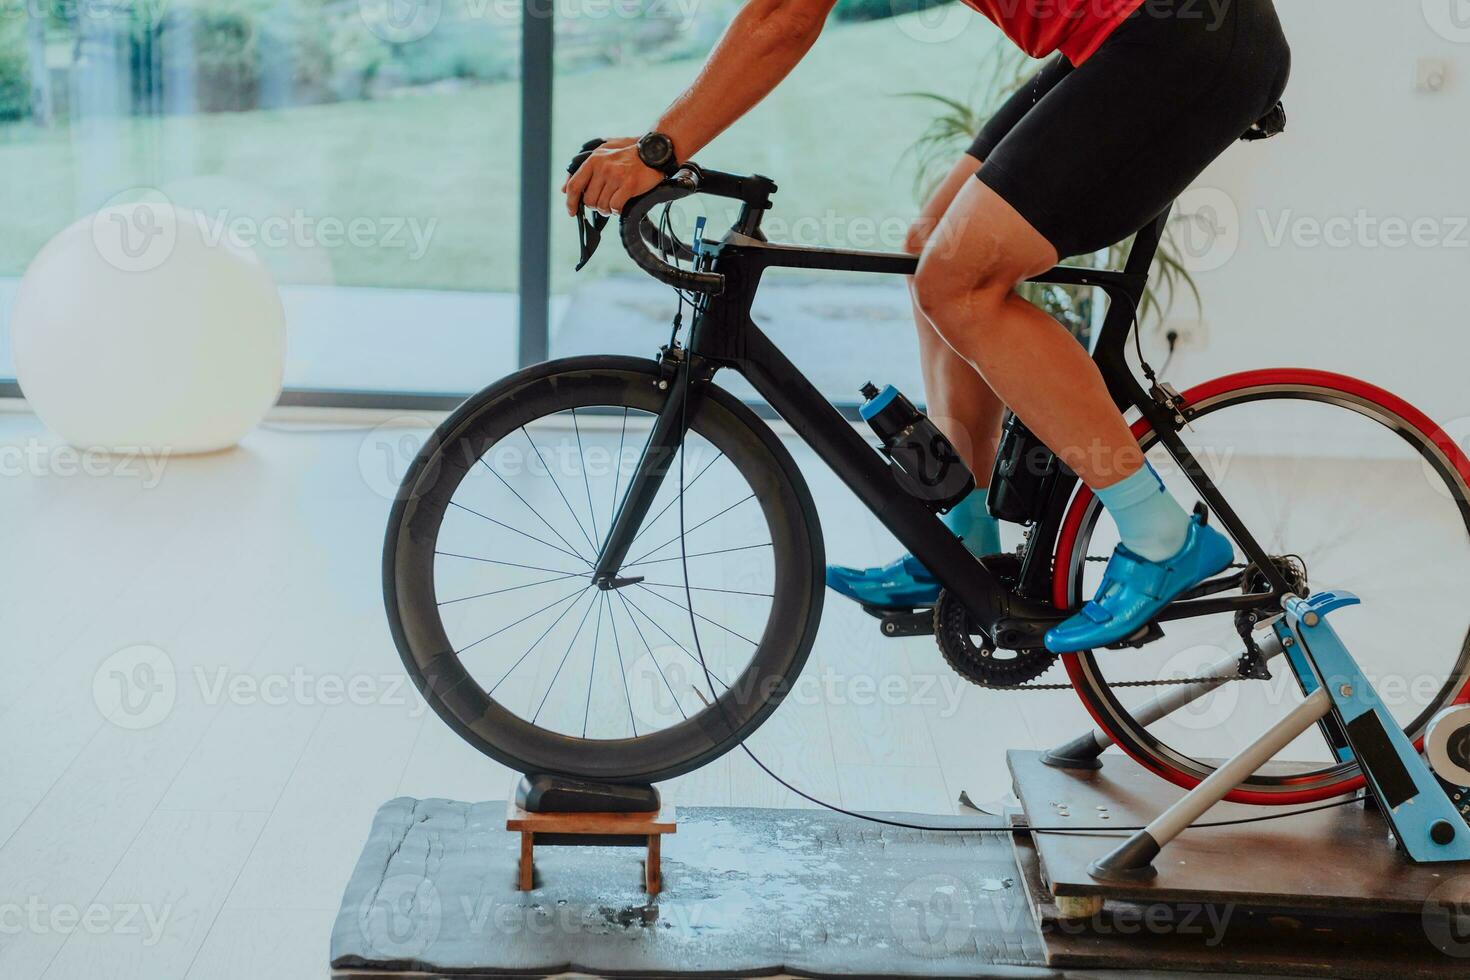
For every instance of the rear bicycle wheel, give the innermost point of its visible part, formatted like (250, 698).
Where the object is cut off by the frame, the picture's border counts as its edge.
(487, 576)
(1360, 492)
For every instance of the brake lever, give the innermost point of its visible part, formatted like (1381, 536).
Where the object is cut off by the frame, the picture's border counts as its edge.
(589, 232)
(589, 235)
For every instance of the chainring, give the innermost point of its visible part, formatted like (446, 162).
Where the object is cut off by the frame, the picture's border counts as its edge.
(980, 662)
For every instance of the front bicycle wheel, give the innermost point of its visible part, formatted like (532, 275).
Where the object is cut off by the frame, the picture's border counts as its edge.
(1342, 484)
(488, 586)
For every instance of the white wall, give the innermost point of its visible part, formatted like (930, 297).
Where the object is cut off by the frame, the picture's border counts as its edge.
(1361, 138)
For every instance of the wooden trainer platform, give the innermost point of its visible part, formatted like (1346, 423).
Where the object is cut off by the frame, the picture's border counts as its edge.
(1319, 894)
(592, 829)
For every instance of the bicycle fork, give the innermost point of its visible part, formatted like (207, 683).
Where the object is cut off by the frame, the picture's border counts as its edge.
(658, 457)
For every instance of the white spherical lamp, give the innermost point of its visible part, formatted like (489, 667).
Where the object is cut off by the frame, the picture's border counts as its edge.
(137, 328)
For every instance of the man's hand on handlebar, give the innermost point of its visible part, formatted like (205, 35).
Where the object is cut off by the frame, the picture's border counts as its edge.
(608, 178)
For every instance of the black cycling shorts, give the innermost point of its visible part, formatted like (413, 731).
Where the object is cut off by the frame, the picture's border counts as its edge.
(1090, 155)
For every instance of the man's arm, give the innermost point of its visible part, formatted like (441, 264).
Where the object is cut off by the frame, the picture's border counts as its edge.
(764, 42)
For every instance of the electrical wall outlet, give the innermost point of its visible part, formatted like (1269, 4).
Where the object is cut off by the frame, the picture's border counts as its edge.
(1194, 335)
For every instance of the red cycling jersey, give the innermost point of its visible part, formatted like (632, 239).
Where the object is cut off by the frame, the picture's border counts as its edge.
(1076, 28)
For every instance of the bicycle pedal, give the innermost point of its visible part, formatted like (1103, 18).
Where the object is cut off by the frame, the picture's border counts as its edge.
(1151, 633)
(917, 622)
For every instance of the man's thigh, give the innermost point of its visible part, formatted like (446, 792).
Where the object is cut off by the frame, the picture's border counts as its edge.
(982, 240)
(962, 172)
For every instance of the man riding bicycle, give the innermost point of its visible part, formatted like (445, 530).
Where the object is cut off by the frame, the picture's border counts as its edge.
(1152, 91)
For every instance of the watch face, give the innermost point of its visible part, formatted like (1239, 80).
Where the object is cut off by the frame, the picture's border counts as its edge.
(656, 149)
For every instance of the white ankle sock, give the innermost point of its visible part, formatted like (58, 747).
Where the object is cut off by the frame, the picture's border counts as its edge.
(1149, 519)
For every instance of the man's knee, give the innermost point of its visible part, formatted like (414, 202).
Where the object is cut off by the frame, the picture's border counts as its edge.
(946, 289)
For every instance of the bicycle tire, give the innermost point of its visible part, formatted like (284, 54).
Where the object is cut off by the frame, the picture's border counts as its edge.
(461, 702)
(1439, 454)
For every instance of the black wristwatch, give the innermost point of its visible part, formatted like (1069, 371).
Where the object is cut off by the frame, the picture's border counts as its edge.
(657, 153)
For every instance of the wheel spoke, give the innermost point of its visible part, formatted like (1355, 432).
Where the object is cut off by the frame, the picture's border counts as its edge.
(511, 564)
(563, 662)
(689, 531)
(658, 626)
(518, 622)
(586, 483)
(700, 615)
(705, 588)
(570, 554)
(699, 554)
(612, 514)
(592, 671)
(514, 588)
(537, 642)
(623, 670)
(656, 666)
(557, 484)
(537, 513)
(665, 509)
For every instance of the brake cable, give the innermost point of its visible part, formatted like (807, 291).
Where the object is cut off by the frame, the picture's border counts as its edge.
(698, 303)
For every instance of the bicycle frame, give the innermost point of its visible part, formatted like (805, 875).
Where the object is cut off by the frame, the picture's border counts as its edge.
(723, 335)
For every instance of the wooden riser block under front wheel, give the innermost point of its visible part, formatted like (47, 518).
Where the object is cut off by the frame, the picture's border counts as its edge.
(591, 830)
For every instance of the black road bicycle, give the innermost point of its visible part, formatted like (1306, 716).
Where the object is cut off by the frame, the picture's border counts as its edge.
(534, 572)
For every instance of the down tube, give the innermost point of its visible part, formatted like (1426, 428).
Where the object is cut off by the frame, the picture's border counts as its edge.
(864, 471)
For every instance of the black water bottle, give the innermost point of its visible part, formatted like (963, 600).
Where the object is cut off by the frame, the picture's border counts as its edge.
(924, 462)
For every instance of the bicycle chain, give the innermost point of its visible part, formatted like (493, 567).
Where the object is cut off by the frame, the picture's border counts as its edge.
(1174, 682)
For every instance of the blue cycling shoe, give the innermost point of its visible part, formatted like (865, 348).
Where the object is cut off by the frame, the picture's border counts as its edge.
(904, 584)
(1135, 590)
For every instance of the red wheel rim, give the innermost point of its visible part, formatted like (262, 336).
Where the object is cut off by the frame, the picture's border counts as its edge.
(1072, 528)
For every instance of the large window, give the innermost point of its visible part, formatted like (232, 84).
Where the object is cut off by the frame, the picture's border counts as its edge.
(371, 151)
(366, 150)
(836, 138)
